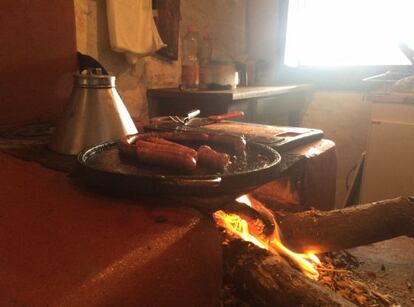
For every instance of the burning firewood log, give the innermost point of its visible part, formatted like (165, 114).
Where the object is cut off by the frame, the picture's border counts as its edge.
(323, 231)
(264, 279)
(265, 272)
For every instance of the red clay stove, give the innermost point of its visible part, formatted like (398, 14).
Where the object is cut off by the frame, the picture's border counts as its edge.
(62, 244)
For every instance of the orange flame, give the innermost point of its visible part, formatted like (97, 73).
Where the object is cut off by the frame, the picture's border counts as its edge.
(237, 226)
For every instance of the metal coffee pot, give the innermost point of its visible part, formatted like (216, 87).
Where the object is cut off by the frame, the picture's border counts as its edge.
(95, 114)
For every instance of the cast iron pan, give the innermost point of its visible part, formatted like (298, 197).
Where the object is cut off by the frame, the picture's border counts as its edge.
(103, 166)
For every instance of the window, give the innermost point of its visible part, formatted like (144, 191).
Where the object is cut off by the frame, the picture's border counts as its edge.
(360, 36)
(348, 33)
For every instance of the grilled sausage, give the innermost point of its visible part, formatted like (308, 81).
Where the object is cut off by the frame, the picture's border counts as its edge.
(164, 155)
(212, 159)
(127, 146)
(127, 143)
(178, 147)
(237, 143)
(185, 136)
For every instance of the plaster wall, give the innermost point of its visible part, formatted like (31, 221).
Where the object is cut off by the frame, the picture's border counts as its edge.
(344, 116)
(223, 20)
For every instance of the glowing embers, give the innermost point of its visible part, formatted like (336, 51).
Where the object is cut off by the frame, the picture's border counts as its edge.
(249, 230)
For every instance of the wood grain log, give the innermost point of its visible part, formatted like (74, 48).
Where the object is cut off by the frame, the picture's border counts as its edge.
(259, 278)
(323, 231)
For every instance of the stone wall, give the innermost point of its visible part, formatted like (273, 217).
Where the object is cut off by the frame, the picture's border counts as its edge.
(223, 20)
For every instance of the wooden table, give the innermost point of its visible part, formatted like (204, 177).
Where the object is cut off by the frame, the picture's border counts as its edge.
(277, 105)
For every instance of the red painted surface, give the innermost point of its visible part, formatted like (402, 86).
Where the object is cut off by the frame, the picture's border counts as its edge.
(309, 184)
(60, 245)
(319, 181)
(37, 59)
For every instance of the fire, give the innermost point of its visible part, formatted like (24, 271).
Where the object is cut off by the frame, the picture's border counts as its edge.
(237, 226)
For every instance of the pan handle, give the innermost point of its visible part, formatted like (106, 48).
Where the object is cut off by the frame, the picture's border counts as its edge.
(213, 181)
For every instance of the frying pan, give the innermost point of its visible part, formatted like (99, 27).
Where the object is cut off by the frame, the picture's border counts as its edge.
(104, 167)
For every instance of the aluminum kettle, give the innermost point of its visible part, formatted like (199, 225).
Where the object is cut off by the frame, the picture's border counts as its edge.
(95, 114)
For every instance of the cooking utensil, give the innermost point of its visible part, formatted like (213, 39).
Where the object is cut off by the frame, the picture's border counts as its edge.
(226, 116)
(103, 166)
(190, 115)
(205, 121)
(95, 114)
(219, 74)
(192, 120)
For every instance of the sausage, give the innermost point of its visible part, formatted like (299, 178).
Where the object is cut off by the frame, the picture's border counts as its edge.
(164, 155)
(185, 136)
(237, 143)
(212, 159)
(179, 147)
(127, 146)
(127, 143)
(131, 138)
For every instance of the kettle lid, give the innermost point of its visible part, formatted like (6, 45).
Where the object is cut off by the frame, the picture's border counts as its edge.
(93, 78)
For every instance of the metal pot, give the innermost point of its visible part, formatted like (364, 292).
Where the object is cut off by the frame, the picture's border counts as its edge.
(219, 74)
(95, 114)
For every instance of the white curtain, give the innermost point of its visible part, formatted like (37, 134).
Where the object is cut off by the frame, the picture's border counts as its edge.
(348, 32)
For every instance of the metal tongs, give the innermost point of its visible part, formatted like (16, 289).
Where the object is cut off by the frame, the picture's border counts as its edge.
(184, 120)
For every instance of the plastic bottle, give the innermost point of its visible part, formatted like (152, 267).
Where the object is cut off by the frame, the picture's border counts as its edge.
(189, 61)
(205, 50)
